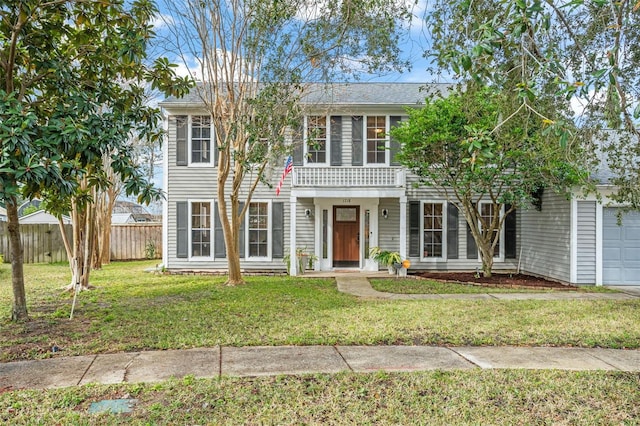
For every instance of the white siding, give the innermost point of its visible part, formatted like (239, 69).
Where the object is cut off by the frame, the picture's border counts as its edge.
(545, 238)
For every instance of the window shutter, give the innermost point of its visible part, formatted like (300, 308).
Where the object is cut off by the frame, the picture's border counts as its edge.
(394, 120)
(241, 236)
(182, 229)
(414, 228)
(181, 140)
(218, 234)
(298, 151)
(356, 141)
(472, 248)
(336, 140)
(510, 234)
(452, 231)
(277, 230)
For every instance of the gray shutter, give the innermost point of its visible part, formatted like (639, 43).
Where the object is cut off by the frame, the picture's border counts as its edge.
(414, 228)
(336, 140)
(472, 248)
(218, 234)
(182, 229)
(356, 141)
(277, 230)
(181, 123)
(298, 148)
(394, 120)
(510, 234)
(241, 236)
(452, 231)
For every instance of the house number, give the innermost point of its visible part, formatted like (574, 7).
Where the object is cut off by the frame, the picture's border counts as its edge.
(346, 200)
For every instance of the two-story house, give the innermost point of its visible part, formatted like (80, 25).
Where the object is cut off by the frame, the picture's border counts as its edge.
(347, 193)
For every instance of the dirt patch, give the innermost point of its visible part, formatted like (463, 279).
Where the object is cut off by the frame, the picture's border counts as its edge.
(497, 280)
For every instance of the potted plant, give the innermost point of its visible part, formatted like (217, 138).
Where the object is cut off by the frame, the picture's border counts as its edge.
(305, 260)
(385, 258)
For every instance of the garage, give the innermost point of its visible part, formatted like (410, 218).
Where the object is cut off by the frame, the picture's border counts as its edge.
(621, 248)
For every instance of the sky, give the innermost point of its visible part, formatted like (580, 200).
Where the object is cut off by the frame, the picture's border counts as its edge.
(413, 45)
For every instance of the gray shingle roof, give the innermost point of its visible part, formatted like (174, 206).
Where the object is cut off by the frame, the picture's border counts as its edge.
(347, 94)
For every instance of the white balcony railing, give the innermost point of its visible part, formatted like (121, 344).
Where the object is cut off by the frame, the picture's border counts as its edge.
(353, 177)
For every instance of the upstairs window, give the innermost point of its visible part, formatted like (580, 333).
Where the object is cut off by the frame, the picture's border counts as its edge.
(317, 139)
(201, 140)
(376, 139)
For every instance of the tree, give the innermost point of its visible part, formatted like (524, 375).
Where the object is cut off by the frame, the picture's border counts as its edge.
(485, 156)
(73, 76)
(256, 59)
(582, 50)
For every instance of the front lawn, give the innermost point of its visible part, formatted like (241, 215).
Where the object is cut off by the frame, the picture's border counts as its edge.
(133, 310)
(478, 397)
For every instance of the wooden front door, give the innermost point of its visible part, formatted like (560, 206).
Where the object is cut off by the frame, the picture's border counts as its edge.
(346, 236)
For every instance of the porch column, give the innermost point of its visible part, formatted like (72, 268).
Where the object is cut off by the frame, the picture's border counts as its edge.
(403, 227)
(293, 261)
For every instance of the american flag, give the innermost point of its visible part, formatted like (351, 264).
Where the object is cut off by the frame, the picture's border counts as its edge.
(288, 166)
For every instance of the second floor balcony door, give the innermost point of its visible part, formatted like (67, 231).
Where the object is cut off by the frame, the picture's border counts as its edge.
(346, 236)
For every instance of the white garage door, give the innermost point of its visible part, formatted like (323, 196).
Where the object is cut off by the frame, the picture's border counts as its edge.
(621, 245)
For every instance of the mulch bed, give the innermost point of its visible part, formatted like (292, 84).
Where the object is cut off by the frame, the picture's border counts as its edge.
(497, 280)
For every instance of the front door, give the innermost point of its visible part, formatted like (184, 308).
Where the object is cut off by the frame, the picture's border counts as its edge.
(346, 236)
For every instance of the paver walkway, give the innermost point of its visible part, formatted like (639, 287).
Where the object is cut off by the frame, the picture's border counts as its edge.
(357, 284)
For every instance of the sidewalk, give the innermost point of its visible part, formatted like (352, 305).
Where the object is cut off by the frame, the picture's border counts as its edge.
(152, 366)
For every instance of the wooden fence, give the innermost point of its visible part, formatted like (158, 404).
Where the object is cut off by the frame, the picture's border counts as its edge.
(43, 243)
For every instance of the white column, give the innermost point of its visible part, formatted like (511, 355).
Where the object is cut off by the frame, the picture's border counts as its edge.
(403, 227)
(293, 261)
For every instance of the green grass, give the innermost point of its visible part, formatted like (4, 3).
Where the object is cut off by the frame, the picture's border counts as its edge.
(426, 286)
(496, 397)
(131, 310)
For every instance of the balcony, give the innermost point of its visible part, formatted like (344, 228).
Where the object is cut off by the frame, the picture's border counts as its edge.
(349, 177)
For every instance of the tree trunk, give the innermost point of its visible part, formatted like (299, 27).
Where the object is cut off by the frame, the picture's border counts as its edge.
(231, 234)
(486, 255)
(19, 308)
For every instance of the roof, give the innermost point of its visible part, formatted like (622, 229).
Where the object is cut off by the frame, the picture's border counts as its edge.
(42, 217)
(401, 94)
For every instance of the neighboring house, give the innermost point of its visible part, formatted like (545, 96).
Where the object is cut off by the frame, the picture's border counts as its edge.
(129, 212)
(41, 217)
(347, 193)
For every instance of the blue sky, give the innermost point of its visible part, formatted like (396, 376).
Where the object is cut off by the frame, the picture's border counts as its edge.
(413, 46)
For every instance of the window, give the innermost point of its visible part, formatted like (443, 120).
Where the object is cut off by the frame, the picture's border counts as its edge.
(432, 230)
(317, 139)
(258, 219)
(376, 140)
(200, 229)
(487, 215)
(200, 139)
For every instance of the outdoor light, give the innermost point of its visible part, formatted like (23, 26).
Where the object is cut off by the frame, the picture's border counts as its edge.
(307, 213)
(385, 213)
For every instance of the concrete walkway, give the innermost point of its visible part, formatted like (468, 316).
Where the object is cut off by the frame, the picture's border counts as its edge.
(152, 366)
(357, 284)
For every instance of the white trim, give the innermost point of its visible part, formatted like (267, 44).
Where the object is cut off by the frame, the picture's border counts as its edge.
(269, 256)
(327, 142)
(212, 143)
(165, 187)
(573, 245)
(293, 265)
(599, 243)
(387, 143)
(445, 230)
(212, 236)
